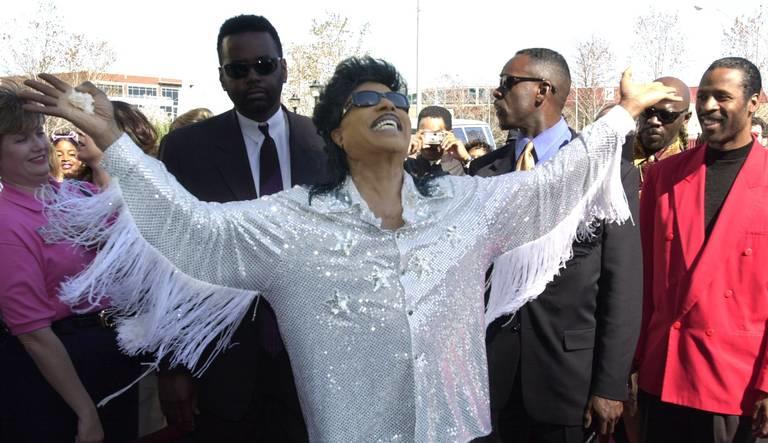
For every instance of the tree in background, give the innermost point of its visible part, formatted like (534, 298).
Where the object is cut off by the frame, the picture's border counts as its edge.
(747, 37)
(593, 78)
(658, 46)
(332, 38)
(43, 42)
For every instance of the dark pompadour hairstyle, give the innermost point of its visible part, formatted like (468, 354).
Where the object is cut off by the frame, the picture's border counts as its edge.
(752, 83)
(350, 74)
(554, 63)
(437, 112)
(247, 23)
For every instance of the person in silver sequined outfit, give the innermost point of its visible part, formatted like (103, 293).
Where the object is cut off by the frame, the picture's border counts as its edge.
(377, 281)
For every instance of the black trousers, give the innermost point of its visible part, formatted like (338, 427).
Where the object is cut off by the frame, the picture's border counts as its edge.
(511, 422)
(271, 416)
(663, 422)
(32, 412)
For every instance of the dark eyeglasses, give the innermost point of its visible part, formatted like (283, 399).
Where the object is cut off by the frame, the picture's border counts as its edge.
(262, 66)
(364, 99)
(71, 135)
(507, 82)
(664, 116)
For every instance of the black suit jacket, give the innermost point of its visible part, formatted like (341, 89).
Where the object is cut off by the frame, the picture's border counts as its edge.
(209, 159)
(578, 337)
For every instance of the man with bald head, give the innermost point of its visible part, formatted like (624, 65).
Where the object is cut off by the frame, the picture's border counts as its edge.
(560, 366)
(662, 129)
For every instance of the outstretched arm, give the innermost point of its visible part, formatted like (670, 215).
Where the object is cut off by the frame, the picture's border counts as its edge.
(538, 214)
(203, 240)
(227, 253)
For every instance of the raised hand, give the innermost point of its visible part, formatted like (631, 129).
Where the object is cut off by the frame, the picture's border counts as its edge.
(635, 97)
(54, 99)
(455, 147)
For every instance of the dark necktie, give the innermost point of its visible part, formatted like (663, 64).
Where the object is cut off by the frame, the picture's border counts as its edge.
(270, 182)
(270, 177)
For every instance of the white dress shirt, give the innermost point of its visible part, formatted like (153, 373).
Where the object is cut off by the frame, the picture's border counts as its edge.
(254, 138)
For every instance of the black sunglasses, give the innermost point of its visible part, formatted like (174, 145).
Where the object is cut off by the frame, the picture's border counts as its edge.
(262, 66)
(664, 116)
(364, 99)
(507, 82)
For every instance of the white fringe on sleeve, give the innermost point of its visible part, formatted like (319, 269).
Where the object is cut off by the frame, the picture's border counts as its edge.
(521, 274)
(158, 309)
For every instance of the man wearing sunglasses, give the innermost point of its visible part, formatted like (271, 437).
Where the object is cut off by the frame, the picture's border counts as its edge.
(702, 358)
(255, 149)
(561, 364)
(662, 130)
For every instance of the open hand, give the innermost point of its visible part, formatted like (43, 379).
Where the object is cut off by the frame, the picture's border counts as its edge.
(53, 99)
(455, 147)
(635, 97)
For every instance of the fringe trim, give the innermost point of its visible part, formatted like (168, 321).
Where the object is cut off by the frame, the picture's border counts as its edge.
(157, 309)
(523, 273)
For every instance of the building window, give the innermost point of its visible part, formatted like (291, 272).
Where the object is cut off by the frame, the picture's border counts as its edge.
(111, 90)
(173, 94)
(142, 91)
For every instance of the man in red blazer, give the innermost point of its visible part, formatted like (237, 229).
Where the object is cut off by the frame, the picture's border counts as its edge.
(703, 372)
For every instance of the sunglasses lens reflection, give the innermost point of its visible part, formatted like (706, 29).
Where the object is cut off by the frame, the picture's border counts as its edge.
(372, 98)
(664, 116)
(263, 66)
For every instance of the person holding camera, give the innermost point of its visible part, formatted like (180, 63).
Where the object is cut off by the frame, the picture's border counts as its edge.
(434, 149)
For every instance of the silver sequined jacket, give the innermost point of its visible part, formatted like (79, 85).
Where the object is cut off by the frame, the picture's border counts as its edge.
(385, 329)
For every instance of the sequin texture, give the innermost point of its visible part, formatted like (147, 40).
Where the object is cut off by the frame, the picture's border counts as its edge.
(385, 330)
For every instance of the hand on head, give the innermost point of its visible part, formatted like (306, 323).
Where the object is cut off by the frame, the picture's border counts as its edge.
(635, 97)
(53, 99)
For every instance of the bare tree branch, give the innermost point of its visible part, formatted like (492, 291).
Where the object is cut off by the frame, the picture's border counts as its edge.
(747, 37)
(333, 38)
(594, 76)
(658, 45)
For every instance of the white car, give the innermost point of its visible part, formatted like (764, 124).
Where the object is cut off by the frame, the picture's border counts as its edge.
(468, 130)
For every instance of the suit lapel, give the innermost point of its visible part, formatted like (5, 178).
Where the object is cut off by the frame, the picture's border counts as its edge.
(733, 218)
(295, 143)
(501, 165)
(689, 206)
(232, 158)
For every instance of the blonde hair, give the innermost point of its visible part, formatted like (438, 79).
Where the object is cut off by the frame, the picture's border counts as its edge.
(191, 116)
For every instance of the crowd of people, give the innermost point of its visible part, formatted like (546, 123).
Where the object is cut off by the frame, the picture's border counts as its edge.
(266, 276)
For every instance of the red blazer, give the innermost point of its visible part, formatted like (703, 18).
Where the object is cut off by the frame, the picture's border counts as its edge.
(705, 307)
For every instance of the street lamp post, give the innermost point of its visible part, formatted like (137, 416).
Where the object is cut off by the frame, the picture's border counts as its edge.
(294, 101)
(315, 88)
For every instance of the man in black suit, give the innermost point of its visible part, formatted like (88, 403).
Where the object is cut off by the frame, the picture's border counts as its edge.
(256, 149)
(561, 364)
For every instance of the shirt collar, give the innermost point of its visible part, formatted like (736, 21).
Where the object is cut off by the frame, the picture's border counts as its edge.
(251, 127)
(18, 197)
(415, 206)
(548, 142)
